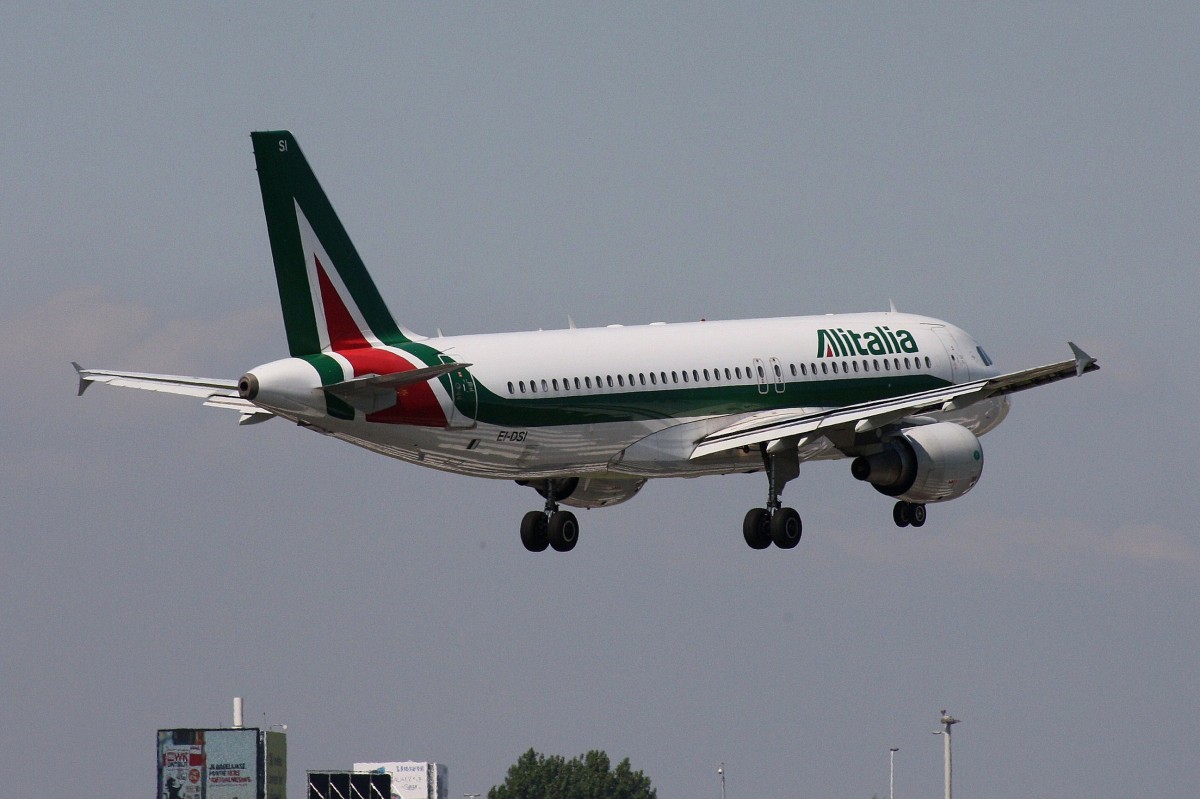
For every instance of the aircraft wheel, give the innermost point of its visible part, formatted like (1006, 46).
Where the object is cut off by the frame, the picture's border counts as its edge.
(916, 515)
(900, 514)
(533, 531)
(756, 528)
(786, 528)
(563, 531)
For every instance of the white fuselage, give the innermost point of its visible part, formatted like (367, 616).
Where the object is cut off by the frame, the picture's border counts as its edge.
(632, 401)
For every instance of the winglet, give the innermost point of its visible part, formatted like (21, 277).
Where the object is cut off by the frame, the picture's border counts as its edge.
(83, 382)
(1083, 361)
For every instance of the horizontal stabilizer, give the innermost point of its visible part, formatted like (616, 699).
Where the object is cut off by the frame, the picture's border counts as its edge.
(373, 393)
(216, 393)
(395, 379)
(202, 387)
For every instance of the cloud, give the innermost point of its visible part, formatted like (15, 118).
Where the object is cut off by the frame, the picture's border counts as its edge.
(89, 326)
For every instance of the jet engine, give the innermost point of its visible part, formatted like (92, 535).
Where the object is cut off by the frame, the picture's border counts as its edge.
(931, 463)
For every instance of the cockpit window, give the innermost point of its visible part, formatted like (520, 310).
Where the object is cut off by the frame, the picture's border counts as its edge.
(986, 360)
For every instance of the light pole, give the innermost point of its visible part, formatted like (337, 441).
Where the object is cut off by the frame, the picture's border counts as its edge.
(721, 774)
(892, 772)
(948, 721)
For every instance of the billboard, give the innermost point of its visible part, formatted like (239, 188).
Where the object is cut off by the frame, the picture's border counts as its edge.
(275, 764)
(411, 779)
(218, 764)
(180, 764)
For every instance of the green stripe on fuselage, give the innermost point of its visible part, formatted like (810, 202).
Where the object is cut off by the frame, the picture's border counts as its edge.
(636, 405)
(330, 371)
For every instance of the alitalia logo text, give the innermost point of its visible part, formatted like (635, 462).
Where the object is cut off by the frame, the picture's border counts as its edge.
(842, 343)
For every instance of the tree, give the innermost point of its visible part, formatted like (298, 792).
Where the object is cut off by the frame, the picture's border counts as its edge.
(589, 776)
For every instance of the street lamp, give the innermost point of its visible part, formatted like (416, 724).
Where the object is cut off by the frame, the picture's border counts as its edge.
(948, 721)
(721, 774)
(892, 772)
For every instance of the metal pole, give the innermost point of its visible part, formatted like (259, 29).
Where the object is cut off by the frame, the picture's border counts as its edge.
(892, 772)
(948, 721)
(721, 774)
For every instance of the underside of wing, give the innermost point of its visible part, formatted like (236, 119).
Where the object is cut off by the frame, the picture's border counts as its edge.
(770, 427)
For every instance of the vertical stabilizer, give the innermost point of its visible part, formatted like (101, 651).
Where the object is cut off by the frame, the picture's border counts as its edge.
(329, 300)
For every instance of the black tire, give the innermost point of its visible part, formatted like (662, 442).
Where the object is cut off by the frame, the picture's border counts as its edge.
(786, 528)
(756, 528)
(900, 514)
(563, 531)
(533, 531)
(916, 515)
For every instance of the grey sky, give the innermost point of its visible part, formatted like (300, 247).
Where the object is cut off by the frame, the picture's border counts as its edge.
(1029, 174)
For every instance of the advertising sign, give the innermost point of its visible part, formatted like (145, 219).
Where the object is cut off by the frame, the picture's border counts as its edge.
(181, 764)
(231, 759)
(411, 779)
(275, 755)
(217, 764)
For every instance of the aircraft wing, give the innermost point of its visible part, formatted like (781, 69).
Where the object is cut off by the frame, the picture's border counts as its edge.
(216, 393)
(774, 426)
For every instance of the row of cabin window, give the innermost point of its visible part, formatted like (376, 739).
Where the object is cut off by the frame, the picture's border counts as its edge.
(619, 381)
(828, 367)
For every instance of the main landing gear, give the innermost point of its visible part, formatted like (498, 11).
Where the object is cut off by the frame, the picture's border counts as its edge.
(551, 527)
(775, 524)
(906, 513)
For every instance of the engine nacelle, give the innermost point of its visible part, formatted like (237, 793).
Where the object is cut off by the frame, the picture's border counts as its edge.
(587, 492)
(932, 463)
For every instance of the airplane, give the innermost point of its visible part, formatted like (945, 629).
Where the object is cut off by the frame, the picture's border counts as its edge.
(586, 416)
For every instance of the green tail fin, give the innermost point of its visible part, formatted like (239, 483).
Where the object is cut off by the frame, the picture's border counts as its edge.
(328, 298)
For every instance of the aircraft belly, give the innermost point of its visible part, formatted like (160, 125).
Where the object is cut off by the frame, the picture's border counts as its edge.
(498, 452)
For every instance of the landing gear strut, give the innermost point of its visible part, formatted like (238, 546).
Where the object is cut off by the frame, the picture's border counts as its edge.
(551, 527)
(775, 524)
